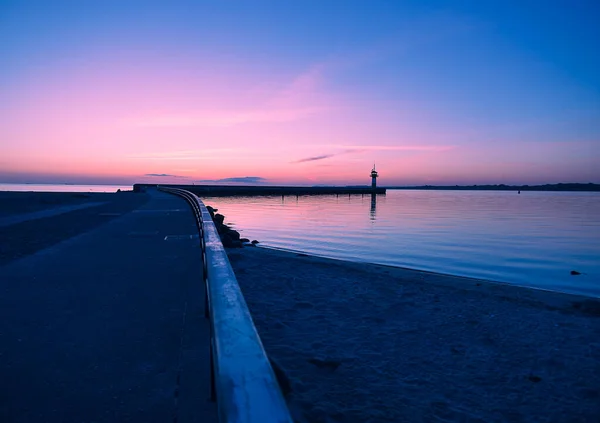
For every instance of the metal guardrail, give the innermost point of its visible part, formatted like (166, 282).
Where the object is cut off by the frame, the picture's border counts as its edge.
(242, 380)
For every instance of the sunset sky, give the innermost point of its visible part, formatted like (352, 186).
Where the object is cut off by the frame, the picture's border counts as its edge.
(300, 92)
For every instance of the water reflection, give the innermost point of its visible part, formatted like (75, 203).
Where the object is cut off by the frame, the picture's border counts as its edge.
(373, 206)
(534, 239)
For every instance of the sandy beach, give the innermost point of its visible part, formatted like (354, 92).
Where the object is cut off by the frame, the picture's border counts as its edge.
(369, 343)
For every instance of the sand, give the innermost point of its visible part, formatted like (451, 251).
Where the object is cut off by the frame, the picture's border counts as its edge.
(369, 343)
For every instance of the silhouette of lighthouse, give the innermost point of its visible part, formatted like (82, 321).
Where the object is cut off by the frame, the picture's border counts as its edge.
(374, 176)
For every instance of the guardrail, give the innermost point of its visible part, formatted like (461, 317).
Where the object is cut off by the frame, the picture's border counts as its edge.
(242, 380)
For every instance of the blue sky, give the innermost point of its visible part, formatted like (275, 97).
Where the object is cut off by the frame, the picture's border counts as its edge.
(435, 92)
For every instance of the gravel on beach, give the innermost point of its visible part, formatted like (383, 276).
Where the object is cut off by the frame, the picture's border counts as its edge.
(369, 343)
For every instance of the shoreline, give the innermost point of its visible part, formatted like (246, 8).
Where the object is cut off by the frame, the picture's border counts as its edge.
(450, 280)
(431, 272)
(365, 342)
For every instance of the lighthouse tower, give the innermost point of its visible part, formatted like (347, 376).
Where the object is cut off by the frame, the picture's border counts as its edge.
(374, 176)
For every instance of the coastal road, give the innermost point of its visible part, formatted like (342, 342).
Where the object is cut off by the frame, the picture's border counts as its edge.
(108, 324)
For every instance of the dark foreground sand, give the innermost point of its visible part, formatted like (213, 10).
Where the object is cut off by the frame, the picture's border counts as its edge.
(368, 343)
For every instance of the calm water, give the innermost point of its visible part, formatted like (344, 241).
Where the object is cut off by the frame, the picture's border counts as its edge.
(64, 188)
(533, 239)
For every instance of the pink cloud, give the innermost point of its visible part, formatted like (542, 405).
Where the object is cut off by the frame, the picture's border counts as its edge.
(198, 154)
(306, 88)
(300, 99)
(225, 118)
(397, 147)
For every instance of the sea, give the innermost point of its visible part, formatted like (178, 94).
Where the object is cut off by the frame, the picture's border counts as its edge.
(534, 239)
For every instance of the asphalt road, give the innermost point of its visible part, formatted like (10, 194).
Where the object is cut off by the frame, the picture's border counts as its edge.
(107, 325)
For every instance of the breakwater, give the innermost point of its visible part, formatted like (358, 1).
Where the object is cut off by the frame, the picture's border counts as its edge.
(247, 191)
(229, 237)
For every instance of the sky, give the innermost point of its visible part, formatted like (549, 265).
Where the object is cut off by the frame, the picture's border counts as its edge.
(300, 92)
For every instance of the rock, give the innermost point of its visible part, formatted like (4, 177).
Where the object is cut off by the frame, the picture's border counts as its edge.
(254, 242)
(119, 190)
(282, 377)
(534, 378)
(575, 272)
(222, 229)
(219, 219)
(211, 211)
(244, 240)
(229, 242)
(235, 235)
(325, 364)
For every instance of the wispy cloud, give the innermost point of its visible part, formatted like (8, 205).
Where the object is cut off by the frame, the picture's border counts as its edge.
(162, 174)
(205, 153)
(299, 99)
(357, 148)
(241, 179)
(305, 89)
(312, 159)
(327, 156)
(186, 170)
(225, 118)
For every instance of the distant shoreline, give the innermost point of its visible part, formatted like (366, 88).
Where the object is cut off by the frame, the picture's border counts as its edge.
(501, 187)
(90, 188)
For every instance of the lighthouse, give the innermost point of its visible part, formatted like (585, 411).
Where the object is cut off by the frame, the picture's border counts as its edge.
(374, 176)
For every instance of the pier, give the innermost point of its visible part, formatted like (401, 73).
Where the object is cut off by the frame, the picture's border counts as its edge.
(138, 317)
(247, 191)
